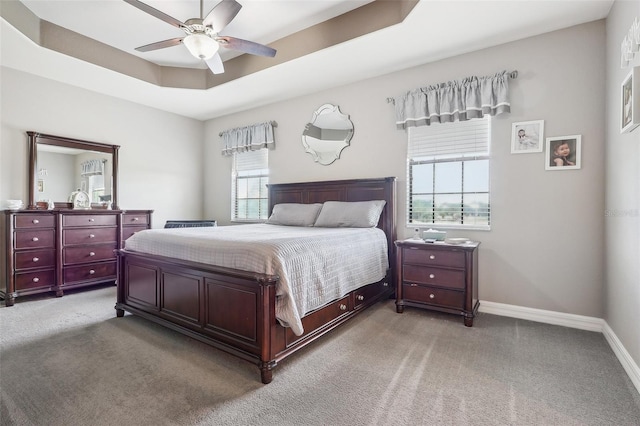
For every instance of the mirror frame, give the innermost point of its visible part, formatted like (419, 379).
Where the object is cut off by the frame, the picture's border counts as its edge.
(35, 139)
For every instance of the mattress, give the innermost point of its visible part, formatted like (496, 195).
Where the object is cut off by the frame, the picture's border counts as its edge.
(315, 265)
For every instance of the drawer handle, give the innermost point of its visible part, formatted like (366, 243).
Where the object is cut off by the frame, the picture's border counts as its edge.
(91, 236)
(35, 221)
(343, 307)
(432, 276)
(433, 256)
(91, 272)
(135, 218)
(91, 219)
(432, 296)
(35, 279)
(92, 253)
(385, 284)
(360, 297)
(36, 259)
(35, 239)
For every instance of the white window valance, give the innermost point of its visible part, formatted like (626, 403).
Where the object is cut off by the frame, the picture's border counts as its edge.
(92, 167)
(461, 100)
(248, 138)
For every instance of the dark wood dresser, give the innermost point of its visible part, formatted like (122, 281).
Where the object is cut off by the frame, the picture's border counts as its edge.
(438, 276)
(53, 251)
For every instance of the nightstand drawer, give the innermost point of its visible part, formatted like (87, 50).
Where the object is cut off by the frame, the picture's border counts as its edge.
(135, 219)
(453, 278)
(433, 296)
(422, 256)
(128, 231)
(35, 259)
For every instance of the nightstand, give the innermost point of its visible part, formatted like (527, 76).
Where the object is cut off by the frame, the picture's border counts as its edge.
(438, 276)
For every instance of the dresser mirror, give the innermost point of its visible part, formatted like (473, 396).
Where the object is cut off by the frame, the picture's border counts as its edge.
(58, 166)
(328, 133)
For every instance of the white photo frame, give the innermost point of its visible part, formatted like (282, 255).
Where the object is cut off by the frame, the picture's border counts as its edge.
(563, 153)
(630, 101)
(527, 137)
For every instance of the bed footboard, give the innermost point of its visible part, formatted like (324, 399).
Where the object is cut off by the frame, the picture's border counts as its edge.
(228, 309)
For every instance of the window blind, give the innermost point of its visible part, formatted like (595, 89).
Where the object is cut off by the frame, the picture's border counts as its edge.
(464, 140)
(251, 163)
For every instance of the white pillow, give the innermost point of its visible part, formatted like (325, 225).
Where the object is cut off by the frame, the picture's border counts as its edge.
(293, 214)
(354, 214)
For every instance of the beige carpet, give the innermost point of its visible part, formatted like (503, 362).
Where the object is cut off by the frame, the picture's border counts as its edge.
(70, 361)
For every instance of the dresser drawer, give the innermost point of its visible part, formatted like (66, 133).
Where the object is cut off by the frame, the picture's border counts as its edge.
(135, 219)
(89, 272)
(89, 220)
(453, 278)
(37, 238)
(34, 221)
(128, 231)
(33, 280)
(454, 259)
(89, 236)
(35, 259)
(433, 296)
(83, 254)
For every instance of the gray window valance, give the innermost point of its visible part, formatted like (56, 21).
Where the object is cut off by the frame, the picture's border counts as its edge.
(248, 138)
(462, 100)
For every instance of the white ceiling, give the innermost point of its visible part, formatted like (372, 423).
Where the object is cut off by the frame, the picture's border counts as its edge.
(433, 30)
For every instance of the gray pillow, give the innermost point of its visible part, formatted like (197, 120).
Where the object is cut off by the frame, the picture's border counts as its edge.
(354, 214)
(293, 214)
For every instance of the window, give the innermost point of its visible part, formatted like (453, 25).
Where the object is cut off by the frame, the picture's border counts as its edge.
(448, 174)
(250, 176)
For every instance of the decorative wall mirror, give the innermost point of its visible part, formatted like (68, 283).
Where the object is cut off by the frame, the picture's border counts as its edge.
(59, 166)
(328, 133)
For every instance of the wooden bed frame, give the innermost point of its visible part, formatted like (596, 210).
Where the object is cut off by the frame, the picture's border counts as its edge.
(234, 310)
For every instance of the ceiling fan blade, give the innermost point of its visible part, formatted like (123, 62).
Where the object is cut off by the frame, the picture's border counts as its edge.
(160, 44)
(246, 46)
(215, 64)
(155, 12)
(222, 14)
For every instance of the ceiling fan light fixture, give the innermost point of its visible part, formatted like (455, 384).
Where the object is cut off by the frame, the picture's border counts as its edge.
(201, 46)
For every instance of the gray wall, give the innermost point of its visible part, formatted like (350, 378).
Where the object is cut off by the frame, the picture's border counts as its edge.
(160, 155)
(546, 246)
(622, 205)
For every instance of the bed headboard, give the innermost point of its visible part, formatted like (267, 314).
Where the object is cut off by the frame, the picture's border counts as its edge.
(344, 190)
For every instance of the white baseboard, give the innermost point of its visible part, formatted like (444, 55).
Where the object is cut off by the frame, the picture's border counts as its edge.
(573, 321)
(540, 315)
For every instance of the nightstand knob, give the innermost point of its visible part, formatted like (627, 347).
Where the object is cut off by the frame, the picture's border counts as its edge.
(36, 259)
(432, 296)
(35, 221)
(92, 253)
(135, 219)
(360, 297)
(92, 236)
(385, 284)
(91, 219)
(343, 307)
(35, 239)
(91, 272)
(432, 276)
(36, 279)
(432, 256)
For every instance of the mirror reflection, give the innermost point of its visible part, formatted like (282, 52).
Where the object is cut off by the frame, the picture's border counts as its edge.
(62, 170)
(328, 133)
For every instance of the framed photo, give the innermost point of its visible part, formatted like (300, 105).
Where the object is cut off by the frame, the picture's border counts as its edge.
(630, 101)
(527, 136)
(563, 153)
(40, 185)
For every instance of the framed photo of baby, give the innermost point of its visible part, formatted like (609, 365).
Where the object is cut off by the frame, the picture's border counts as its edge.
(563, 153)
(630, 101)
(526, 137)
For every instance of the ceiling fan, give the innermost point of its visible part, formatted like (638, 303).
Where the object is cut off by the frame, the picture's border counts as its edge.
(202, 38)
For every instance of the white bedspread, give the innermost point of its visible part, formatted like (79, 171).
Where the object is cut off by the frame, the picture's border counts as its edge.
(315, 265)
